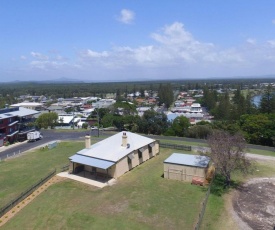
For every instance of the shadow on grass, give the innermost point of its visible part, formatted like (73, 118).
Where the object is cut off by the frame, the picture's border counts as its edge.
(219, 187)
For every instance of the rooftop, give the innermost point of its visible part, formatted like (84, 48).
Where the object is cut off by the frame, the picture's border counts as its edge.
(111, 148)
(187, 159)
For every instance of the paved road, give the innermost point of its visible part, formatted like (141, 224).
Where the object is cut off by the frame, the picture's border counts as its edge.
(48, 136)
(51, 135)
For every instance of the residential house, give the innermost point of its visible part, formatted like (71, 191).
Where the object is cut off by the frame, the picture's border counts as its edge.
(113, 156)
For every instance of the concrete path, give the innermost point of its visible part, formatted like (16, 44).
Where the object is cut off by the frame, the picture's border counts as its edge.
(87, 180)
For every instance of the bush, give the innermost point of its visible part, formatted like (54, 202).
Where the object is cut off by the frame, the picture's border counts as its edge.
(84, 126)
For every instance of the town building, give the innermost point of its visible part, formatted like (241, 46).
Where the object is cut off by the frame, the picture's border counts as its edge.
(15, 123)
(29, 105)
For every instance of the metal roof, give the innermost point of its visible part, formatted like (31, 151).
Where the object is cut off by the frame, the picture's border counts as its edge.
(85, 160)
(111, 148)
(187, 159)
(20, 112)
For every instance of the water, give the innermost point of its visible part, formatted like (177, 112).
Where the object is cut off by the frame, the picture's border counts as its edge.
(256, 100)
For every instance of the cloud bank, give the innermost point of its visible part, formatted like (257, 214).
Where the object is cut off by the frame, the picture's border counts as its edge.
(173, 53)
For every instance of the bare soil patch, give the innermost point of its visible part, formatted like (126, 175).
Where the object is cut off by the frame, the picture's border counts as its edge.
(254, 203)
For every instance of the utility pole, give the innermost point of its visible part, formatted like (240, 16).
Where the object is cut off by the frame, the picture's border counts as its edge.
(97, 112)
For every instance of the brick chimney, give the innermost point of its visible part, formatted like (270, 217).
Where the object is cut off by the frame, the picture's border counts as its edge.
(124, 140)
(87, 142)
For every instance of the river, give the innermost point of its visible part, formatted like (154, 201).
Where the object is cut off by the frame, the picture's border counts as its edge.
(256, 100)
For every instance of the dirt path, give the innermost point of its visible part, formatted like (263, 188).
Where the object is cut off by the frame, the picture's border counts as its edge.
(260, 157)
(4, 219)
(253, 205)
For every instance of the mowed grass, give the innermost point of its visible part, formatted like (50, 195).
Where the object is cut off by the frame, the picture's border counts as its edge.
(140, 199)
(261, 152)
(18, 174)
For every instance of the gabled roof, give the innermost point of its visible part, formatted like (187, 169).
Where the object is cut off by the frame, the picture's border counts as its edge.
(66, 119)
(187, 159)
(111, 148)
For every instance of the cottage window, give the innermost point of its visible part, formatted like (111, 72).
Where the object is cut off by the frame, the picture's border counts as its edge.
(139, 154)
(150, 149)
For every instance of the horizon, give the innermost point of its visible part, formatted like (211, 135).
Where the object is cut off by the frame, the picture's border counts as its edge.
(106, 41)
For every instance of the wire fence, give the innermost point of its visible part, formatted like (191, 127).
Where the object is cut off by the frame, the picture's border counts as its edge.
(64, 168)
(204, 204)
(175, 146)
(25, 194)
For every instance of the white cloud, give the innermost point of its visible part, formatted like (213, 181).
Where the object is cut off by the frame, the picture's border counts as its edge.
(126, 16)
(39, 56)
(271, 43)
(174, 52)
(273, 21)
(22, 57)
(251, 41)
(93, 54)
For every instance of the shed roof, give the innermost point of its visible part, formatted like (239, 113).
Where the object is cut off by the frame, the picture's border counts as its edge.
(187, 159)
(85, 160)
(111, 148)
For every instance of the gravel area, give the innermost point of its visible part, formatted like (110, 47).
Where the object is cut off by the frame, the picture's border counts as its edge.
(254, 204)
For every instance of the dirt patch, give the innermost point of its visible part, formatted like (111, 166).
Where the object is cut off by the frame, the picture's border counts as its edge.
(254, 203)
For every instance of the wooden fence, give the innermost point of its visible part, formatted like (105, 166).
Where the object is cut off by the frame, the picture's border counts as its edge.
(204, 203)
(174, 146)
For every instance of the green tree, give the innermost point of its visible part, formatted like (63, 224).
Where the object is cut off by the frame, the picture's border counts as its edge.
(180, 126)
(258, 128)
(200, 131)
(46, 120)
(153, 123)
(267, 104)
(239, 105)
(127, 108)
(165, 94)
(223, 109)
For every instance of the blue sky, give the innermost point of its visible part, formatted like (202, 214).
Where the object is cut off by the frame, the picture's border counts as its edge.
(113, 40)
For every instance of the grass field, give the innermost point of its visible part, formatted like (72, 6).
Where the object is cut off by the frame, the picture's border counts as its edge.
(261, 152)
(20, 173)
(141, 199)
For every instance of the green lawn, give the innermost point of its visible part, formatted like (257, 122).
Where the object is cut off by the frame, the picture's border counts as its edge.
(141, 199)
(20, 173)
(261, 152)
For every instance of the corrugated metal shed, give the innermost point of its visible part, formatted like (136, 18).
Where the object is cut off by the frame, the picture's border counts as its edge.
(187, 159)
(85, 160)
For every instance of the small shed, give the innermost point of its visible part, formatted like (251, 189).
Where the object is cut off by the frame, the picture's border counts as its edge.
(185, 167)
